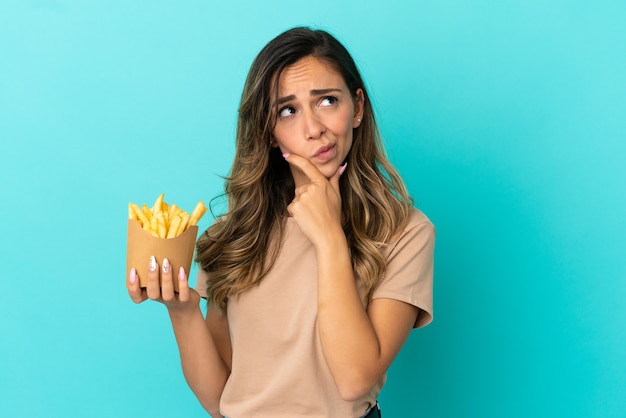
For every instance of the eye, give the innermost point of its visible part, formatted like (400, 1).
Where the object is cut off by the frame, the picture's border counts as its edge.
(328, 101)
(286, 111)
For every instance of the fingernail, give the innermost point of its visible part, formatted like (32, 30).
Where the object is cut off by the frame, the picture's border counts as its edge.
(152, 264)
(166, 265)
(343, 168)
(133, 275)
(285, 155)
(181, 274)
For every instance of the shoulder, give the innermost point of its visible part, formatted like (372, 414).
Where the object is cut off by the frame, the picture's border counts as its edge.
(418, 230)
(417, 217)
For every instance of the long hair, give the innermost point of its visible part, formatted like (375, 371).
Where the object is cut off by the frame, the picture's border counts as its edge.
(240, 248)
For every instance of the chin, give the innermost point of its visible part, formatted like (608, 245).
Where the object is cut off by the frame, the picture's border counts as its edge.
(329, 170)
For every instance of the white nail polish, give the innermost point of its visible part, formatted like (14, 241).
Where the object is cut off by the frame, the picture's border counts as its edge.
(166, 265)
(152, 265)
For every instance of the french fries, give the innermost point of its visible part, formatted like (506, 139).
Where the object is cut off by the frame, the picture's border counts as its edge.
(163, 220)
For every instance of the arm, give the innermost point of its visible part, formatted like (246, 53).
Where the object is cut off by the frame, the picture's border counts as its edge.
(359, 345)
(204, 369)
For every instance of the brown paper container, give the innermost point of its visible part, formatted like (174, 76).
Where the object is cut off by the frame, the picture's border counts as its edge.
(141, 245)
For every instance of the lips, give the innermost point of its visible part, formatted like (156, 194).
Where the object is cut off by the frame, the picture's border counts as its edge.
(324, 151)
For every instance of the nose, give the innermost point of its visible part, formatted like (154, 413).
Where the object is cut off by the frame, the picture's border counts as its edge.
(313, 126)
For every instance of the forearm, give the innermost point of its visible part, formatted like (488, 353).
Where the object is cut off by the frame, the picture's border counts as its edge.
(202, 366)
(349, 341)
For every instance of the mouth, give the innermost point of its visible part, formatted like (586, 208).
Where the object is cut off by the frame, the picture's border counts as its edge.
(325, 152)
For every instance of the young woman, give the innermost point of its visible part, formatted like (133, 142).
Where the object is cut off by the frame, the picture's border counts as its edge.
(321, 267)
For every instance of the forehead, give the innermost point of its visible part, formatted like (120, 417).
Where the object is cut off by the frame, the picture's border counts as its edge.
(309, 73)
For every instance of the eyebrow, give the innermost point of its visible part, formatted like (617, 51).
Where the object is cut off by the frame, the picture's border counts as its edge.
(315, 92)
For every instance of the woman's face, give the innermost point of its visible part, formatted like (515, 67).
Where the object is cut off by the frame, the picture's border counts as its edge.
(316, 115)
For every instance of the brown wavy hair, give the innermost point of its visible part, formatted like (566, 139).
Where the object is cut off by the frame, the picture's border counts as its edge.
(240, 248)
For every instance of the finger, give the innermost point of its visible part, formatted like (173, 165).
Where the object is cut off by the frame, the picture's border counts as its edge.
(299, 190)
(153, 288)
(167, 286)
(183, 285)
(134, 290)
(306, 167)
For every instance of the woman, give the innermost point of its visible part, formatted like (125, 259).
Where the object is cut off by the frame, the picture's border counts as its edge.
(320, 268)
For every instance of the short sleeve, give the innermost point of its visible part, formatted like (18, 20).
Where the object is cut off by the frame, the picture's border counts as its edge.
(410, 264)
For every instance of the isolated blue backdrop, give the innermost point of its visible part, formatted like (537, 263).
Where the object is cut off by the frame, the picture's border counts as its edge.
(507, 120)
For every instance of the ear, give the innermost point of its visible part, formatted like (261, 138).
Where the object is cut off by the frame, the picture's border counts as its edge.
(359, 106)
(273, 143)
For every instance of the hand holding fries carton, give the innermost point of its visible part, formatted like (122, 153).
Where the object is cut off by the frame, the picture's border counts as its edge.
(161, 231)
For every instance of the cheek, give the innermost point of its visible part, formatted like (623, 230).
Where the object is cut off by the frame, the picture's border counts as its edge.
(282, 143)
(279, 136)
(347, 130)
(347, 147)
(346, 122)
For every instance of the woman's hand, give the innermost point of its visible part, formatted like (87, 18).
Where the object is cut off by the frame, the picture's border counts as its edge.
(185, 299)
(316, 206)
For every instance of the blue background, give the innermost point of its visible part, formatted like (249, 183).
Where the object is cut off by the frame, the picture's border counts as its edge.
(506, 119)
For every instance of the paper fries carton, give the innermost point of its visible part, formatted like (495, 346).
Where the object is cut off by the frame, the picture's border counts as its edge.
(141, 245)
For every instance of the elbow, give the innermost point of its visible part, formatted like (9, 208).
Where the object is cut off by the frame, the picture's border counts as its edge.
(213, 408)
(210, 403)
(355, 389)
